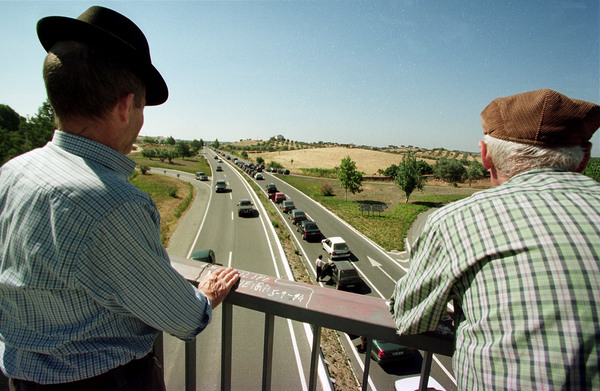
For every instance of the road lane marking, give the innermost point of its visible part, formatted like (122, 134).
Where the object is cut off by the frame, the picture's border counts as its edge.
(229, 263)
(323, 375)
(376, 264)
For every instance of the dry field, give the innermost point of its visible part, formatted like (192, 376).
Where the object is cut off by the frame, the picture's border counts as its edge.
(367, 161)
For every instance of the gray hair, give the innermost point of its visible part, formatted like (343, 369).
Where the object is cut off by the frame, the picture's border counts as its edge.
(511, 158)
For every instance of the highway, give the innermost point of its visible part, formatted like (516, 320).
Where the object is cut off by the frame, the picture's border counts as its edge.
(245, 243)
(249, 243)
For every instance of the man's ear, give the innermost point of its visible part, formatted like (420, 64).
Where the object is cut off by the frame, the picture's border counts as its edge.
(587, 151)
(486, 159)
(124, 107)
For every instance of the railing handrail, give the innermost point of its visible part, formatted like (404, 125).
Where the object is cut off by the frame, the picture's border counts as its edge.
(343, 311)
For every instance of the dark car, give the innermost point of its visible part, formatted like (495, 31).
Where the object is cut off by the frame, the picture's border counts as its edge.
(245, 207)
(287, 206)
(219, 168)
(309, 230)
(387, 352)
(220, 186)
(345, 275)
(271, 188)
(298, 215)
(204, 255)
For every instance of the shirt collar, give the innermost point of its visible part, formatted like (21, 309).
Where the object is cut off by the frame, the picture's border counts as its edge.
(93, 150)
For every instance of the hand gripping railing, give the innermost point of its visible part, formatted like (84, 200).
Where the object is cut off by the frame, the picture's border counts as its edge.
(321, 307)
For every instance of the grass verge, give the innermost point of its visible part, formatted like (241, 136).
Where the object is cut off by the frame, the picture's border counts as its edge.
(388, 228)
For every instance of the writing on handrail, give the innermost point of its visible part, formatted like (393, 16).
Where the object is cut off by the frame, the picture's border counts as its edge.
(281, 290)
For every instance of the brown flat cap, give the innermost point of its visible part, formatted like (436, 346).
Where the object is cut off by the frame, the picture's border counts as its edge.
(542, 117)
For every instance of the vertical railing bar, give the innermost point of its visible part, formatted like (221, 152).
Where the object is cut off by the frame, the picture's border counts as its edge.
(268, 351)
(314, 359)
(190, 365)
(159, 351)
(365, 381)
(425, 370)
(226, 346)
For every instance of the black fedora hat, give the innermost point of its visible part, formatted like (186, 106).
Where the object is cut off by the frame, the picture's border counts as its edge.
(107, 29)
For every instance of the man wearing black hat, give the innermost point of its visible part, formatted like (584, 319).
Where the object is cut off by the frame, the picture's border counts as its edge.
(521, 261)
(85, 284)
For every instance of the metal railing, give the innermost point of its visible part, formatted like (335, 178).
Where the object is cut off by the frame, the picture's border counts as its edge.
(353, 314)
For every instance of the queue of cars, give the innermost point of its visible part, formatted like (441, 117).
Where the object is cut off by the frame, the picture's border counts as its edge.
(343, 273)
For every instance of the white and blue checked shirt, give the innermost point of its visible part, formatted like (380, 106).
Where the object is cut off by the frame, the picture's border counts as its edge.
(84, 280)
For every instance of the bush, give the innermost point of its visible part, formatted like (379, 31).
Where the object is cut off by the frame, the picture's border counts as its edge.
(144, 168)
(326, 190)
(173, 192)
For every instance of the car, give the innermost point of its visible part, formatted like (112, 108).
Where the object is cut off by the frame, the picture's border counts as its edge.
(287, 206)
(344, 275)
(271, 188)
(279, 197)
(245, 207)
(219, 168)
(220, 161)
(221, 186)
(286, 172)
(298, 215)
(386, 352)
(204, 255)
(309, 230)
(259, 177)
(336, 247)
(201, 176)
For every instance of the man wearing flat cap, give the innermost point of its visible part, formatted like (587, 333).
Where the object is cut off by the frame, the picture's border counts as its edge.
(521, 260)
(85, 283)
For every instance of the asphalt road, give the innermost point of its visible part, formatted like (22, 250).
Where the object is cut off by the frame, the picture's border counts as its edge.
(245, 243)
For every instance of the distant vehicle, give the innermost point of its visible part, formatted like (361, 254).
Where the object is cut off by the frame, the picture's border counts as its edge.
(219, 168)
(259, 177)
(297, 215)
(220, 186)
(201, 176)
(220, 161)
(279, 197)
(287, 206)
(345, 276)
(271, 188)
(309, 230)
(387, 352)
(286, 172)
(245, 207)
(336, 247)
(204, 255)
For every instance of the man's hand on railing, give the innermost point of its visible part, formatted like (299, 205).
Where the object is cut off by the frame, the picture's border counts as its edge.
(217, 284)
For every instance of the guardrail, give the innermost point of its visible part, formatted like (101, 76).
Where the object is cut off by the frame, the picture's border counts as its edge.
(352, 313)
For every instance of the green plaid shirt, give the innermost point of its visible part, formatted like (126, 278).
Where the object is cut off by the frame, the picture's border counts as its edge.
(522, 263)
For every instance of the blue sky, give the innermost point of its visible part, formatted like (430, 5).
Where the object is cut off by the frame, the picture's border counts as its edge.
(363, 72)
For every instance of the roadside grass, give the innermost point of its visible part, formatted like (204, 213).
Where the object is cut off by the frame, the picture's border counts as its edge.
(387, 228)
(172, 197)
(190, 165)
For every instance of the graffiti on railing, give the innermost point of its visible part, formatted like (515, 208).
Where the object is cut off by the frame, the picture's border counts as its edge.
(276, 288)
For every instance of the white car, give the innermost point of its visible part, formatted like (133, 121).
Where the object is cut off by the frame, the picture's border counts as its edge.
(336, 247)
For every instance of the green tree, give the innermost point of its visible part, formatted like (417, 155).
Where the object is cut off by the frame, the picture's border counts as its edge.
(170, 141)
(350, 178)
(183, 149)
(408, 175)
(197, 146)
(475, 171)
(9, 119)
(450, 170)
(260, 160)
(216, 144)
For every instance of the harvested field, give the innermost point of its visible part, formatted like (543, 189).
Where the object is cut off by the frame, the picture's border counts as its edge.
(367, 161)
